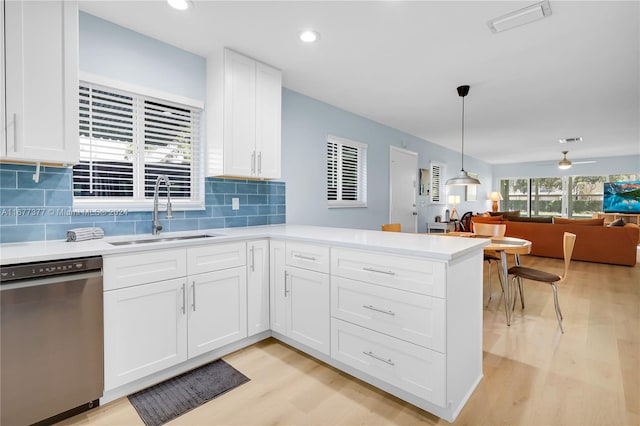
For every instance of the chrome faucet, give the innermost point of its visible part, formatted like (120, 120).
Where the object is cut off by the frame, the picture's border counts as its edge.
(156, 227)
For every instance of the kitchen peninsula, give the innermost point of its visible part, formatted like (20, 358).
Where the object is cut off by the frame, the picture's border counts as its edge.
(402, 312)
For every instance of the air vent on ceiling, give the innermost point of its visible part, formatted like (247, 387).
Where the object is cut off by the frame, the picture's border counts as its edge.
(520, 17)
(570, 140)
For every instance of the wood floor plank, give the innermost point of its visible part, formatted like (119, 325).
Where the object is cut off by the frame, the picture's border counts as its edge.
(533, 374)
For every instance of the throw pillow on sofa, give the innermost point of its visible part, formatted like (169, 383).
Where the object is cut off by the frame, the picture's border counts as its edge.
(587, 222)
(617, 222)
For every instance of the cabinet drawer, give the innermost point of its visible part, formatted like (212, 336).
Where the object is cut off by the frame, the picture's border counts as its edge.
(125, 270)
(308, 256)
(413, 274)
(216, 257)
(407, 366)
(415, 318)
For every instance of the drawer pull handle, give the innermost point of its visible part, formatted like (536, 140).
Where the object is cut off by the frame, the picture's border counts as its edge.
(373, 308)
(380, 271)
(253, 258)
(300, 256)
(379, 358)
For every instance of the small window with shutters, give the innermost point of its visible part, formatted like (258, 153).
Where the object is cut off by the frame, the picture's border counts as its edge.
(346, 173)
(436, 186)
(126, 141)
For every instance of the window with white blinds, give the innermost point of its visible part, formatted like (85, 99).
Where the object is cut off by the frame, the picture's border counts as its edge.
(126, 141)
(436, 186)
(346, 173)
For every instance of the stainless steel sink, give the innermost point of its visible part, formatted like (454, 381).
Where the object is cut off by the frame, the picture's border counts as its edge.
(159, 240)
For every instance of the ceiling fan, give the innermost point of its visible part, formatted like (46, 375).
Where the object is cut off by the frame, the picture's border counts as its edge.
(565, 163)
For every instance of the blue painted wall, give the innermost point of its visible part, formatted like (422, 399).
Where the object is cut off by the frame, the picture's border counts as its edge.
(306, 122)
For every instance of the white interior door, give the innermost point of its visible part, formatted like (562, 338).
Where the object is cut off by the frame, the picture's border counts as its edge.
(402, 186)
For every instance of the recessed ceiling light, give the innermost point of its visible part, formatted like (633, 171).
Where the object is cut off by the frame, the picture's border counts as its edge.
(180, 4)
(309, 36)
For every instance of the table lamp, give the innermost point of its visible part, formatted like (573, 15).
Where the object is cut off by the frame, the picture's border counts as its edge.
(454, 199)
(495, 197)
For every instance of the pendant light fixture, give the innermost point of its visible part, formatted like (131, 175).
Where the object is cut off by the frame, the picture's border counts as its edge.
(463, 177)
(564, 164)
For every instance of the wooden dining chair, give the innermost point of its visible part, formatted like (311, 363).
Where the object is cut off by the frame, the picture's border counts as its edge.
(554, 280)
(392, 227)
(491, 230)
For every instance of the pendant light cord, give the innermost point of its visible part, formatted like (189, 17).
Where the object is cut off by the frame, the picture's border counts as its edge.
(462, 154)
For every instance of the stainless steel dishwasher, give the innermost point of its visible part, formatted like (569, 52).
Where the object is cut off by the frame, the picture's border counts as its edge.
(51, 351)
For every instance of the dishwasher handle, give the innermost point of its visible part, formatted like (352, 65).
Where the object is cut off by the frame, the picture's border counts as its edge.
(35, 282)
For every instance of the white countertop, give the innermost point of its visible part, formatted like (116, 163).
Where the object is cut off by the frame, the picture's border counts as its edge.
(423, 245)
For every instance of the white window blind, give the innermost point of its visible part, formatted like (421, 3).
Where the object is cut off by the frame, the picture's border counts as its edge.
(437, 192)
(346, 173)
(127, 140)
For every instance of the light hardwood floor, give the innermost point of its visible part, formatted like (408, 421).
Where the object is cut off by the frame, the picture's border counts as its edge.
(533, 374)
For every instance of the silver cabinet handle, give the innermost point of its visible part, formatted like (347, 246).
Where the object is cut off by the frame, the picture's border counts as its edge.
(300, 256)
(193, 301)
(253, 258)
(259, 163)
(253, 163)
(373, 308)
(379, 358)
(184, 298)
(14, 127)
(286, 275)
(380, 271)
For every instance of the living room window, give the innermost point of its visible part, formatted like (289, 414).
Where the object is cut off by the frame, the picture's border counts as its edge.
(573, 196)
(127, 139)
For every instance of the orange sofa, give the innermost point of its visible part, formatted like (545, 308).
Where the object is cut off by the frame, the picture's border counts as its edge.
(616, 245)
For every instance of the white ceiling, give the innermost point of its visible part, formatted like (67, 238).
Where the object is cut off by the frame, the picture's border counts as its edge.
(575, 73)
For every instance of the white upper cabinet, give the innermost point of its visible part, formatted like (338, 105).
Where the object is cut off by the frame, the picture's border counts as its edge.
(40, 83)
(244, 102)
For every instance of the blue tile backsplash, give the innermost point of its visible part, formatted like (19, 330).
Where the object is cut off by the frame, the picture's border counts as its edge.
(31, 211)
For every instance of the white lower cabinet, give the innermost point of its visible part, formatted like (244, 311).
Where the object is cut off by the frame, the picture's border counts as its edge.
(217, 309)
(409, 367)
(300, 306)
(257, 286)
(145, 330)
(151, 326)
(409, 325)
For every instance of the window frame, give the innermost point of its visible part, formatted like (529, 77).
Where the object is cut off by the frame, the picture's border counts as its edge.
(197, 176)
(361, 178)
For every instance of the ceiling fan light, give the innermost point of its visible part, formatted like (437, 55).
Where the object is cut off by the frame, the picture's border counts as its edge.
(564, 164)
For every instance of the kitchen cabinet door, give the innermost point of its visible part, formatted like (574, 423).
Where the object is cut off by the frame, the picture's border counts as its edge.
(308, 313)
(41, 81)
(239, 114)
(217, 309)
(257, 287)
(268, 121)
(244, 99)
(278, 305)
(145, 330)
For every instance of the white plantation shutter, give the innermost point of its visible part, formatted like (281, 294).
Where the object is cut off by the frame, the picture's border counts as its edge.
(127, 140)
(437, 192)
(346, 173)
